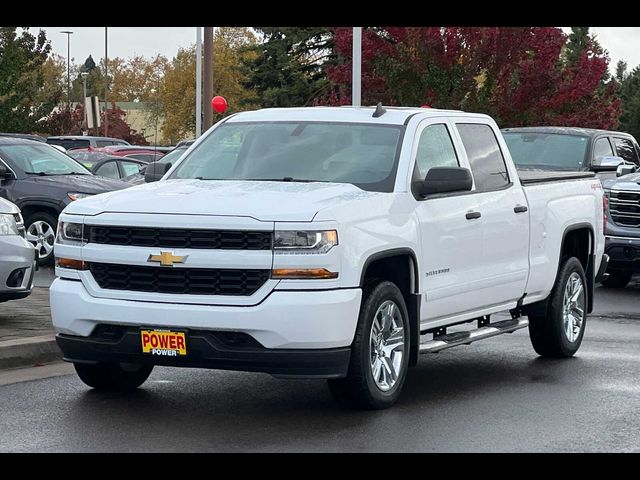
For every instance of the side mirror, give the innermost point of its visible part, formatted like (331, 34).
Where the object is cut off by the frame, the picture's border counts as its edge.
(5, 173)
(445, 180)
(609, 163)
(155, 171)
(625, 169)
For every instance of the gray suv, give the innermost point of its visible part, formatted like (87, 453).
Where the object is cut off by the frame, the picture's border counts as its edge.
(17, 256)
(613, 156)
(41, 181)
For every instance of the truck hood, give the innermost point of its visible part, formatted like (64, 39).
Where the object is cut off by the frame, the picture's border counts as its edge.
(265, 201)
(626, 182)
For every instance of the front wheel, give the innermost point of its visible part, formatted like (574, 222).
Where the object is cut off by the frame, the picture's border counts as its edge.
(380, 350)
(559, 333)
(41, 233)
(109, 376)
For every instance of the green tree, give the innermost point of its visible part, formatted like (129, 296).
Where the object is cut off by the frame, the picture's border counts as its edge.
(630, 94)
(621, 71)
(579, 39)
(22, 102)
(94, 78)
(289, 67)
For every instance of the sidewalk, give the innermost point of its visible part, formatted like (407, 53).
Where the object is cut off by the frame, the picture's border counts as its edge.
(26, 333)
(30, 317)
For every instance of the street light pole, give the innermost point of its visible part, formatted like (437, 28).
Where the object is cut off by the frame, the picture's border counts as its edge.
(356, 77)
(106, 84)
(85, 122)
(68, 33)
(198, 82)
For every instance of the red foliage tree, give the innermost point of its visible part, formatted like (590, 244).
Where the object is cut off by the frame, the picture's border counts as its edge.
(69, 122)
(519, 75)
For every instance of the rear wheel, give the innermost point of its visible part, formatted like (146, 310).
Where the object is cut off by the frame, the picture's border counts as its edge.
(559, 333)
(41, 233)
(380, 350)
(109, 376)
(617, 279)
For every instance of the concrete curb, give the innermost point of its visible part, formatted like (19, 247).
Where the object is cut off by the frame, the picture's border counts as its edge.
(29, 351)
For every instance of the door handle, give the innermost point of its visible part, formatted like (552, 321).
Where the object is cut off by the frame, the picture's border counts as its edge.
(520, 209)
(473, 215)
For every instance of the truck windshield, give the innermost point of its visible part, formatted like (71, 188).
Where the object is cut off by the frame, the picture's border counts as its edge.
(361, 154)
(41, 159)
(547, 151)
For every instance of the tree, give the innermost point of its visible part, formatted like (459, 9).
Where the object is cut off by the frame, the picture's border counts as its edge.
(621, 71)
(630, 94)
(289, 66)
(133, 79)
(69, 122)
(177, 88)
(579, 39)
(22, 98)
(53, 89)
(519, 75)
(94, 78)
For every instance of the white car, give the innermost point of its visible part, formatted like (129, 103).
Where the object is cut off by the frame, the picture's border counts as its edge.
(17, 256)
(333, 243)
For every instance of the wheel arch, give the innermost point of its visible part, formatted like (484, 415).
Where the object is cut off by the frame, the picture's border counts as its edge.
(387, 264)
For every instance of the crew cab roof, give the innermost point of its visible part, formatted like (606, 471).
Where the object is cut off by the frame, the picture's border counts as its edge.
(585, 132)
(392, 116)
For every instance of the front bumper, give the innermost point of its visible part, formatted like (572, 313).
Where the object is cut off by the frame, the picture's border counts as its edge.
(624, 253)
(16, 254)
(210, 350)
(285, 319)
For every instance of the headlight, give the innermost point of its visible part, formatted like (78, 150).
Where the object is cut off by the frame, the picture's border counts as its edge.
(8, 225)
(70, 234)
(304, 241)
(73, 196)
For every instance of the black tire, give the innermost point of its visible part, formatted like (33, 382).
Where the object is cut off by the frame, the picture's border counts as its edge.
(52, 222)
(617, 279)
(113, 377)
(547, 333)
(358, 389)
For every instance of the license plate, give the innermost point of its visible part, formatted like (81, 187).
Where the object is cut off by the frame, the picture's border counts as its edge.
(163, 342)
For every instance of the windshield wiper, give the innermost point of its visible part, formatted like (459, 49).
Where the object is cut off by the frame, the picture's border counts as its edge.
(282, 179)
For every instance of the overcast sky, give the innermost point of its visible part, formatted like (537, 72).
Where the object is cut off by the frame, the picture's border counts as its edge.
(621, 42)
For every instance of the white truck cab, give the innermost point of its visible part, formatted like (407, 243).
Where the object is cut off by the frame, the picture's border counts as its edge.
(326, 242)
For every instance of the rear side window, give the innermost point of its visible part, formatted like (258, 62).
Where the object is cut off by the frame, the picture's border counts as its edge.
(602, 148)
(435, 149)
(626, 150)
(103, 143)
(109, 169)
(485, 157)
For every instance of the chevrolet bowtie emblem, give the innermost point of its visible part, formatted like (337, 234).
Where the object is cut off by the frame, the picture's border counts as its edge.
(166, 259)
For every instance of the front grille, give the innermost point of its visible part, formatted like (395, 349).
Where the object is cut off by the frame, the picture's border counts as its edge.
(181, 238)
(185, 281)
(624, 207)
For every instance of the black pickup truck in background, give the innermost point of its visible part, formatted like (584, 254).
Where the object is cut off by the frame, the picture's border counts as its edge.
(615, 158)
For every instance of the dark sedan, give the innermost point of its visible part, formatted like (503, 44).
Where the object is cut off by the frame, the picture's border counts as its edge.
(106, 165)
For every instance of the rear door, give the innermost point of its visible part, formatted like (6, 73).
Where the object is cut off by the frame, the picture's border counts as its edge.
(505, 218)
(450, 233)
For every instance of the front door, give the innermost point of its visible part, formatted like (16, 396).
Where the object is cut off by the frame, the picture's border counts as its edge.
(451, 233)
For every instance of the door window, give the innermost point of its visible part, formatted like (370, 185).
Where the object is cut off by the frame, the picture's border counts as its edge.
(626, 150)
(435, 149)
(129, 168)
(485, 157)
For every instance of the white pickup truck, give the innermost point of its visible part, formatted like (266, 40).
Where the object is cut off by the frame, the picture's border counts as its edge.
(334, 243)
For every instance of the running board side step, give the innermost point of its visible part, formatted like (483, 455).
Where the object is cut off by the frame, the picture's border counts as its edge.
(443, 342)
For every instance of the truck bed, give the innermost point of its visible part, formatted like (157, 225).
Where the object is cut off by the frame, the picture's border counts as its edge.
(528, 177)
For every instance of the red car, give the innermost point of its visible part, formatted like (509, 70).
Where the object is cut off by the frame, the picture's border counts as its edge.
(147, 154)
